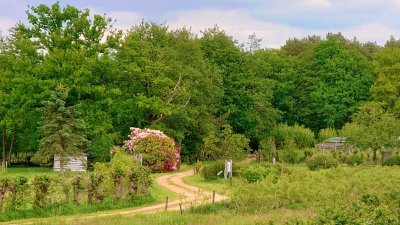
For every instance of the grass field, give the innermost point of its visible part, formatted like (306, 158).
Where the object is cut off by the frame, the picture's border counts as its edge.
(26, 171)
(220, 217)
(297, 195)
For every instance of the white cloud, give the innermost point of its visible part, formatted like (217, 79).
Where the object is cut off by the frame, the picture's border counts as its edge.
(371, 32)
(124, 19)
(240, 25)
(315, 4)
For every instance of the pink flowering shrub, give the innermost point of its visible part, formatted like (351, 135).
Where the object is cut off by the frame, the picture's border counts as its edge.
(159, 151)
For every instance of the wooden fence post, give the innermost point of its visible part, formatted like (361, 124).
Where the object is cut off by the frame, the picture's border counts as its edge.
(213, 197)
(166, 203)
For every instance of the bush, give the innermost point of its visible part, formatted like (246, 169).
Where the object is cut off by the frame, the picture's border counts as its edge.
(301, 136)
(225, 143)
(210, 172)
(327, 133)
(291, 154)
(321, 160)
(369, 209)
(254, 173)
(41, 185)
(158, 152)
(355, 160)
(308, 152)
(392, 161)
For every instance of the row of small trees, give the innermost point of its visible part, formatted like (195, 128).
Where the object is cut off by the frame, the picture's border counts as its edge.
(121, 178)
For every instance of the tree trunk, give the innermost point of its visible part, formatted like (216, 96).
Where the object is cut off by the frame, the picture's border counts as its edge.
(375, 158)
(12, 143)
(76, 195)
(4, 149)
(66, 193)
(2, 193)
(131, 188)
(90, 193)
(122, 188)
(116, 193)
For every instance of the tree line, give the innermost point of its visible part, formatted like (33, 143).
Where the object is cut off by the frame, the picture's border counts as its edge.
(207, 91)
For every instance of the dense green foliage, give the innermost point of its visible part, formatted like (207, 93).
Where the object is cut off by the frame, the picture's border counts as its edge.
(321, 160)
(393, 161)
(213, 171)
(217, 98)
(156, 152)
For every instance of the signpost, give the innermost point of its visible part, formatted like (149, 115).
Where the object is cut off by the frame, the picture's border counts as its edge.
(228, 169)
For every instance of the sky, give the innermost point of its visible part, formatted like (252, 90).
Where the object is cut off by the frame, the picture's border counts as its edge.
(275, 21)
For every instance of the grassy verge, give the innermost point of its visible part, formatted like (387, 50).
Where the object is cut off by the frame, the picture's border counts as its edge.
(26, 171)
(217, 215)
(221, 186)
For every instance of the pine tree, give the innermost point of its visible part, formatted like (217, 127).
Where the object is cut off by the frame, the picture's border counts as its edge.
(62, 133)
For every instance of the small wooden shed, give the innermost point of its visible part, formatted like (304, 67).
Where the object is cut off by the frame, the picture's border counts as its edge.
(72, 163)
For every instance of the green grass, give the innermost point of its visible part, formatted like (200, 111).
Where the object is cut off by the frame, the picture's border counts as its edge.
(26, 171)
(298, 194)
(218, 216)
(221, 186)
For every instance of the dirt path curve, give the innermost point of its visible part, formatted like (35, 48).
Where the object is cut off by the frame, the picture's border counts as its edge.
(190, 196)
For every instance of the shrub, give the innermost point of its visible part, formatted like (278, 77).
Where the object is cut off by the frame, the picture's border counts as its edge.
(224, 143)
(321, 160)
(354, 160)
(19, 194)
(41, 185)
(210, 172)
(158, 152)
(308, 152)
(392, 161)
(4, 186)
(291, 154)
(369, 209)
(327, 133)
(198, 166)
(301, 136)
(254, 173)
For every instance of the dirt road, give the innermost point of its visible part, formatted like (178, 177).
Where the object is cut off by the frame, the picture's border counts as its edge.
(190, 196)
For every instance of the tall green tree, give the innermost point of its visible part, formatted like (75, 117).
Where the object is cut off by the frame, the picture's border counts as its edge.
(345, 77)
(166, 84)
(74, 47)
(63, 134)
(386, 88)
(247, 89)
(373, 128)
(323, 81)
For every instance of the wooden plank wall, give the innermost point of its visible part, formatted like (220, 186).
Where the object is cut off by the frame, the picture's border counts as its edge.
(75, 164)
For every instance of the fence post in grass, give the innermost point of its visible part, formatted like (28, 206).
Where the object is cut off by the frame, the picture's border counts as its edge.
(213, 197)
(180, 208)
(166, 203)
